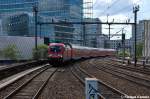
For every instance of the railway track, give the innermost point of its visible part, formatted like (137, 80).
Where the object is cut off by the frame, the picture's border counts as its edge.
(123, 73)
(8, 70)
(130, 67)
(106, 92)
(29, 86)
(63, 85)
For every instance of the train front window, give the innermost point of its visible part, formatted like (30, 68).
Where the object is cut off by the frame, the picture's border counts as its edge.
(55, 49)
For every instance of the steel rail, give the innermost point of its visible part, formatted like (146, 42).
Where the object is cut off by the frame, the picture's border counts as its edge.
(44, 84)
(21, 77)
(79, 78)
(103, 83)
(116, 73)
(114, 65)
(143, 71)
(83, 82)
(24, 84)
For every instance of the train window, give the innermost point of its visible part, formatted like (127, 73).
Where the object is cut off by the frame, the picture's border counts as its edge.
(55, 48)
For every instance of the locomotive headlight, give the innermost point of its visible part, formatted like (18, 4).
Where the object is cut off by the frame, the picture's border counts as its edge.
(59, 55)
(50, 55)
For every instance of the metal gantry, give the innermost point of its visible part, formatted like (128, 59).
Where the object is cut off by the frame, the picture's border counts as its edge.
(135, 10)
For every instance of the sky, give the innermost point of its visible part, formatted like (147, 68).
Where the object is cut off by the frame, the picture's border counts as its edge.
(120, 11)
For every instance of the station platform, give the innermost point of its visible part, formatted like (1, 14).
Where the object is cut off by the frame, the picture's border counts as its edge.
(11, 79)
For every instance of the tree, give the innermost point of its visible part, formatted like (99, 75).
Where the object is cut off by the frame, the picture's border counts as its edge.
(139, 48)
(41, 52)
(1, 53)
(11, 52)
(127, 54)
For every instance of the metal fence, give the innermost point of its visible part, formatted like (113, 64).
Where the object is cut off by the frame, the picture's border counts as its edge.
(21, 46)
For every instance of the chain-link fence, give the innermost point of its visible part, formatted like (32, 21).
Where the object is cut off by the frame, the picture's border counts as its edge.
(21, 48)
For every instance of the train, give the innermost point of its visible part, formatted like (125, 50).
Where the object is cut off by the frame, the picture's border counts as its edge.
(59, 53)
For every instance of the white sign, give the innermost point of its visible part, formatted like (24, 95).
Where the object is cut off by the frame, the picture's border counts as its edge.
(91, 88)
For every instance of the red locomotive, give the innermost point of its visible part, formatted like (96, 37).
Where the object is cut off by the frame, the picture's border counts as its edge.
(60, 52)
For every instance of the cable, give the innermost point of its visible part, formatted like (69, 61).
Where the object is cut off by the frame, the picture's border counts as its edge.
(109, 7)
(121, 28)
(121, 10)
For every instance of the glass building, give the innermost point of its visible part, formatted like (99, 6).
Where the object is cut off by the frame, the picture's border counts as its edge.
(48, 10)
(17, 17)
(16, 24)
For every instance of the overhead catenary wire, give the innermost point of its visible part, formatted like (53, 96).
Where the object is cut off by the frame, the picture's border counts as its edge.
(120, 10)
(115, 2)
(114, 13)
(122, 27)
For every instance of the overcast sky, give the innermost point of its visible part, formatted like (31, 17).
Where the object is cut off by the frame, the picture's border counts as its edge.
(120, 11)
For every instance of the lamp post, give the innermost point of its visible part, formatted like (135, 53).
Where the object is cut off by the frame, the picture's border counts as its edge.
(35, 10)
(135, 10)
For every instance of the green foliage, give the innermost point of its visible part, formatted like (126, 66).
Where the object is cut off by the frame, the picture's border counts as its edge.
(127, 54)
(41, 52)
(1, 53)
(11, 52)
(139, 48)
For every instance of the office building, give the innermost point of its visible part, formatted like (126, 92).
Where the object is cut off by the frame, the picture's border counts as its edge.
(117, 44)
(143, 35)
(16, 25)
(92, 32)
(102, 41)
(48, 10)
(139, 35)
(146, 42)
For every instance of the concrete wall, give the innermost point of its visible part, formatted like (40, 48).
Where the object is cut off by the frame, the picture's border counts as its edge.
(23, 44)
(146, 50)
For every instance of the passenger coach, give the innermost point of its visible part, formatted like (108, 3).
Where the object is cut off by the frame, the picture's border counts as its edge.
(60, 52)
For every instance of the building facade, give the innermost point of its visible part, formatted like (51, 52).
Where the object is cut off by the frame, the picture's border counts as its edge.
(143, 35)
(139, 34)
(146, 43)
(117, 44)
(64, 10)
(48, 10)
(92, 32)
(16, 25)
(103, 41)
(24, 45)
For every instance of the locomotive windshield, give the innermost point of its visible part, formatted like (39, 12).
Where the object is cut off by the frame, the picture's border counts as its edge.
(55, 48)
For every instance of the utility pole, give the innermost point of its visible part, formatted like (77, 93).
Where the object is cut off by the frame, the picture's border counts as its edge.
(123, 44)
(35, 10)
(40, 31)
(109, 31)
(135, 10)
(84, 38)
(108, 26)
